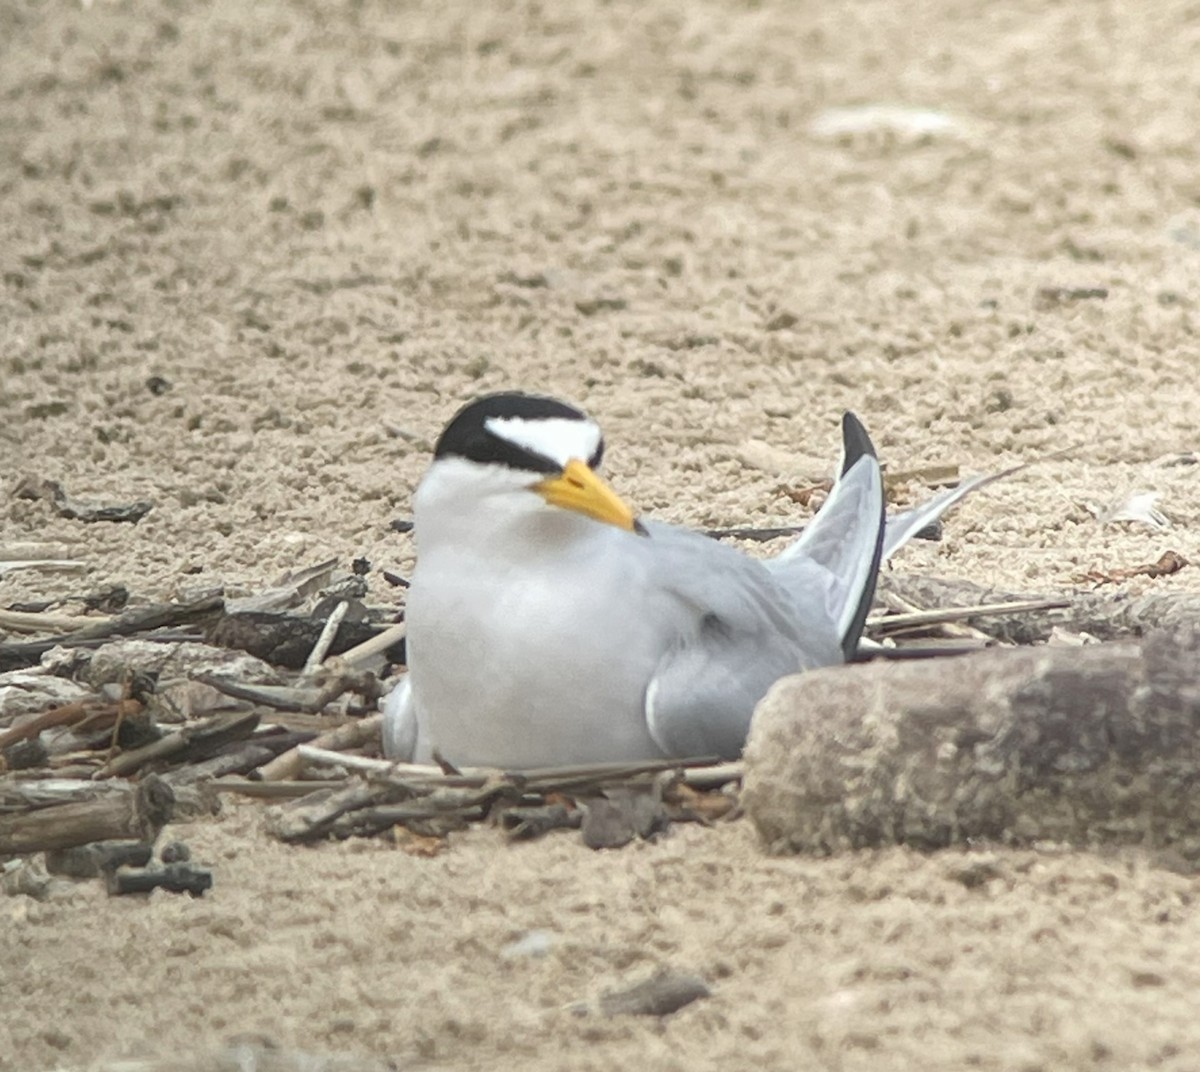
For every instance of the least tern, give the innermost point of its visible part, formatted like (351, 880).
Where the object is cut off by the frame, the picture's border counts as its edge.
(548, 626)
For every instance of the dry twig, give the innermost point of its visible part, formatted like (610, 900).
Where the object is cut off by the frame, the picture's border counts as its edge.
(137, 812)
(351, 735)
(891, 624)
(321, 647)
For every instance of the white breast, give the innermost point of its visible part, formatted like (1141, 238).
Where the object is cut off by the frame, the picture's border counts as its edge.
(526, 656)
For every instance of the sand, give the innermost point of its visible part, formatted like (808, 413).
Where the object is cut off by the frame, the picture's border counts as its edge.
(316, 229)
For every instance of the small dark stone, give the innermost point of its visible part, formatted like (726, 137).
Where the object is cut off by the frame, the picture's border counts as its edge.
(135, 731)
(1147, 977)
(26, 754)
(528, 280)
(660, 995)
(1001, 400)
(175, 852)
(975, 874)
(782, 320)
(158, 385)
(614, 820)
(592, 306)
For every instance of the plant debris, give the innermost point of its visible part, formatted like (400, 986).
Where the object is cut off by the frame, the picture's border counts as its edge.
(76, 509)
(612, 802)
(755, 534)
(1168, 562)
(1048, 297)
(175, 878)
(98, 858)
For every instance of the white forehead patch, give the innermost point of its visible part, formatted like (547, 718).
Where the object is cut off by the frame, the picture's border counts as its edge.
(556, 438)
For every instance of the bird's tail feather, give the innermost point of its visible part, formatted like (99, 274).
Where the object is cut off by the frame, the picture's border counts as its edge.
(904, 526)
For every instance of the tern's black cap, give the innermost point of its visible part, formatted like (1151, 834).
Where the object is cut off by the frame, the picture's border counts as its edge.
(469, 436)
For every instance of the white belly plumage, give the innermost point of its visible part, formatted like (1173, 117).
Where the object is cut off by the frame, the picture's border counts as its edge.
(504, 672)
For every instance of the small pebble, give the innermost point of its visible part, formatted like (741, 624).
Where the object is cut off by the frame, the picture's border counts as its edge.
(536, 943)
(660, 995)
(175, 852)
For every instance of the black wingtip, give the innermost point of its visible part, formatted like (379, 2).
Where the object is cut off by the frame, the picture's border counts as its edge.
(855, 442)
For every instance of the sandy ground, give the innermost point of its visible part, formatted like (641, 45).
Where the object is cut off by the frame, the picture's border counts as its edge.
(326, 224)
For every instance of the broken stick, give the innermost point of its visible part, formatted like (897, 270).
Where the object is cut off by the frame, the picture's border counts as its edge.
(138, 813)
(351, 735)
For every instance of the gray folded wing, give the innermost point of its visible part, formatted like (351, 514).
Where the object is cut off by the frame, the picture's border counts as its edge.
(744, 633)
(759, 621)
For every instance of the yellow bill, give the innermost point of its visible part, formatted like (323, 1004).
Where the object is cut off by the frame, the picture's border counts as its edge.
(580, 489)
